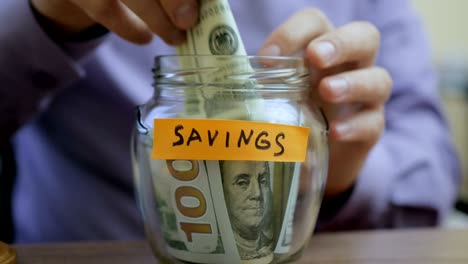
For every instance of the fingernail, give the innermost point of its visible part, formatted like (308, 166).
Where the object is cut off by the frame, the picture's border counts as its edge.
(339, 87)
(343, 129)
(185, 16)
(178, 37)
(270, 50)
(326, 50)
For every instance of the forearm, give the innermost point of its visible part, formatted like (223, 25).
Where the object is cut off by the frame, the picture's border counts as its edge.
(32, 66)
(409, 179)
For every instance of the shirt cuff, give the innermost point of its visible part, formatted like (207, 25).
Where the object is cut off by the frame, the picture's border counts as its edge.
(331, 206)
(76, 45)
(32, 66)
(368, 198)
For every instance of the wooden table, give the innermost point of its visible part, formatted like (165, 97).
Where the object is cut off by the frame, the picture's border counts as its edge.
(423, 246)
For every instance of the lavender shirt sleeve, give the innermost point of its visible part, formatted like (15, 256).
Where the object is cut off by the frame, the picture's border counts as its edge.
(410, 177)
(32, 66)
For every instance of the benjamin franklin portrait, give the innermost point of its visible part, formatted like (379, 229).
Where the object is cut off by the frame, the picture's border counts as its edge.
(246, 186)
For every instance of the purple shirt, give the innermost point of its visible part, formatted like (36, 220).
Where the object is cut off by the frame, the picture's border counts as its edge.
(75, 179)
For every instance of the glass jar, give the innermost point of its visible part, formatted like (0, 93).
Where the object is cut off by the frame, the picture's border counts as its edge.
(230, 159)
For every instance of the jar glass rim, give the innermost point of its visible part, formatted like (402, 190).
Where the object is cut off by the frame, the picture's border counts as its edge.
(283, 58)
(279, 71)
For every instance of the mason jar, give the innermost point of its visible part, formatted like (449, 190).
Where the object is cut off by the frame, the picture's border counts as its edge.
(230, 159)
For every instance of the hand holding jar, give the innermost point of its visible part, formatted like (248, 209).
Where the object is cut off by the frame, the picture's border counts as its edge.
(351, 88)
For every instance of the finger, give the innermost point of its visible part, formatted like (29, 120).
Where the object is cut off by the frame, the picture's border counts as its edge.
(155, 17)
(354, 42)
(183, 13)
(293, 36)
(118, 18)
(369, 86)
(365, 126)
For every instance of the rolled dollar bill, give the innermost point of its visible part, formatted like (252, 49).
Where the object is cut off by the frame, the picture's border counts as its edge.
(215, 34)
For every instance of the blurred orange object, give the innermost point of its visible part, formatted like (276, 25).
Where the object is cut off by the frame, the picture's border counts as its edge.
(7, 254)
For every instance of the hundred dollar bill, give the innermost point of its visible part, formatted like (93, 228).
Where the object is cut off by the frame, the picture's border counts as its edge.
(217, 34)
(285, 211)
(248, 194)
(194, 217)
(216, 212)
(286, 188)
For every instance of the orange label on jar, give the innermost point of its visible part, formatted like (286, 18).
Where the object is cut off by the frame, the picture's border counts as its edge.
(209, 139)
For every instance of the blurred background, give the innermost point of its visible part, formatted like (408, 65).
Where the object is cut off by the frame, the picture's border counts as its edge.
(447, 25)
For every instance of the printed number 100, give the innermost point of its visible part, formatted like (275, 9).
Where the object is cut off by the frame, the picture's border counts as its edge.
(189, 191)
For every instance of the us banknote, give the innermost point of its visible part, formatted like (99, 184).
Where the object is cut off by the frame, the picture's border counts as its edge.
(217, 34)
(224, 211)
(208, 218)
